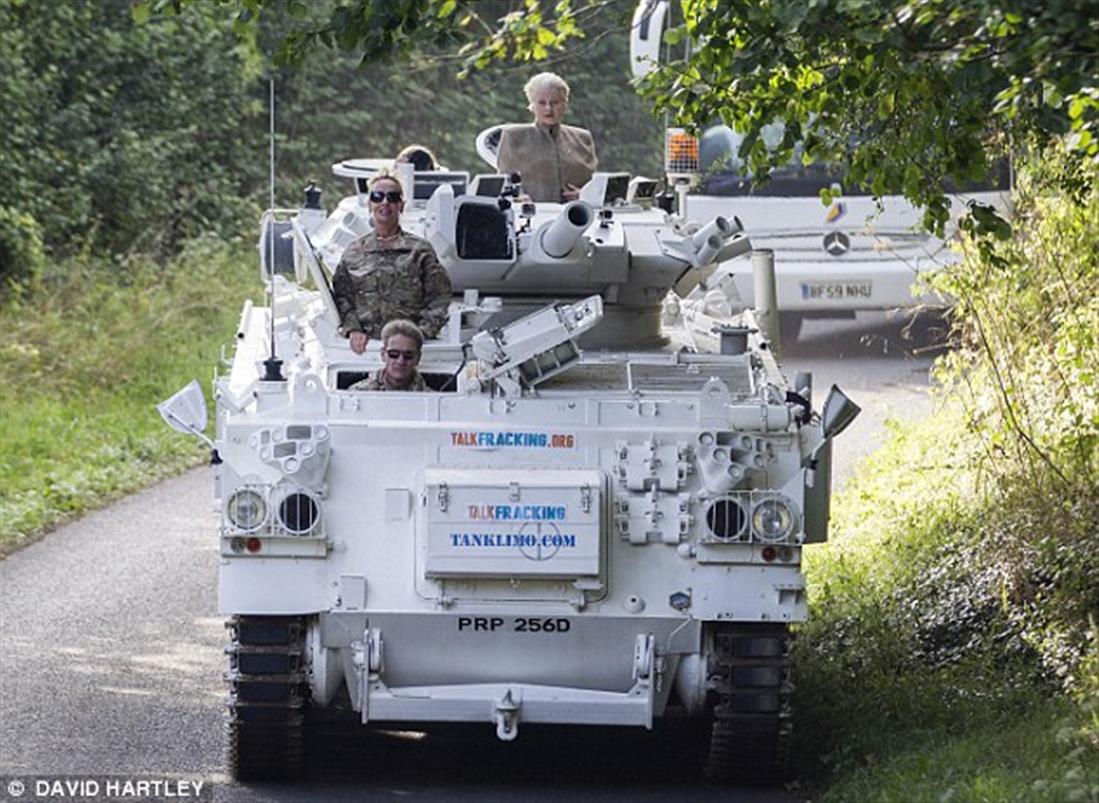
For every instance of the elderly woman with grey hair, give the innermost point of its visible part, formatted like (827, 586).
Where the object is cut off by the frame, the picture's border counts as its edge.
(554, 160)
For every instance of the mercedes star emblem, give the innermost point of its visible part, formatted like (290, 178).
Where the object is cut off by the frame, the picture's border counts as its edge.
(836, 243)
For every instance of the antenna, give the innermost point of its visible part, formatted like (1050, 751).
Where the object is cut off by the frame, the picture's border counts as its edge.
(272, 366)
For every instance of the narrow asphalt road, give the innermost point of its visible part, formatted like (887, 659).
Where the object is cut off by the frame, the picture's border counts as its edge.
(111, 650)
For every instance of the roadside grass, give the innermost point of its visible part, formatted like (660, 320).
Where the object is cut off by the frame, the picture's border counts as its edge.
(944, 660)
(87, 348)
(1031, 757)
(952, 646)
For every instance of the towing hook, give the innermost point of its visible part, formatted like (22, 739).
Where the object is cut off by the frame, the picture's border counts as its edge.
(507, 718)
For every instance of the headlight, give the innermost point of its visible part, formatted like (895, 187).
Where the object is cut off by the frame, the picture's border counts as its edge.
(298, 513)
(727, 519)
(772, 520)
(247, 510)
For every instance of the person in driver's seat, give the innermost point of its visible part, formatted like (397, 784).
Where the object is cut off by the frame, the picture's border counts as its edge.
(402, 345)
(553, 159)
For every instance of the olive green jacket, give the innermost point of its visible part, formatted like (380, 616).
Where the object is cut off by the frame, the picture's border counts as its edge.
(376, 381)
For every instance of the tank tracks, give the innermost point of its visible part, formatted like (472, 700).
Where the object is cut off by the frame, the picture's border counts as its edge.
(268, 695)
(749, 669)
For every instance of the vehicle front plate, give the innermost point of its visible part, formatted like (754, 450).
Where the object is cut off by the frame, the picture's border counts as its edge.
(836, 290)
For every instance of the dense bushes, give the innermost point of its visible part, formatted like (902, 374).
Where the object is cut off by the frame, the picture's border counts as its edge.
(962, 588)
(1025, 376)
(119, 136)
(334, 108)
(20, 243)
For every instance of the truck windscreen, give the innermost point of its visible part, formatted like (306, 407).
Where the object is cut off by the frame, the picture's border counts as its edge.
(723, 173)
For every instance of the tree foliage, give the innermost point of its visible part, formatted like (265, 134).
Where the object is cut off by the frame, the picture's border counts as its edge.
(369, 76)
(334, 107)
(1027, 359)
(119, 135)
(908, 96)
(475, 32)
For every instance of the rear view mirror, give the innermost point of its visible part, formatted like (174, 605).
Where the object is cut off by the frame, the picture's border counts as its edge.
(839, 412)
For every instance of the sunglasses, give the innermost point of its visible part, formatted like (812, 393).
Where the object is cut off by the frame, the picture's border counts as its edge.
(393, 196)
(408, 356)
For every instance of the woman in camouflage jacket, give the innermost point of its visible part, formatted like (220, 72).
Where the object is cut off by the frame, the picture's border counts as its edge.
(389, 274)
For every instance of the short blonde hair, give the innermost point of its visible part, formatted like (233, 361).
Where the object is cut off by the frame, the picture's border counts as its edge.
(383, 174)
(400, 326)
(546, 80)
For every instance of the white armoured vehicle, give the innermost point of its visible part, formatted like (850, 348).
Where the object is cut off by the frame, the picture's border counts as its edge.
(596, 518)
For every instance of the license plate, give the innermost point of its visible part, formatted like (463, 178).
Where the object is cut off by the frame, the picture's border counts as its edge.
(835, 291)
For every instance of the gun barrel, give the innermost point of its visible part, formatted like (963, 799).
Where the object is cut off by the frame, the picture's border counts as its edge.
(734, 247)
(710, 248)
(560, 235)
(720, 226)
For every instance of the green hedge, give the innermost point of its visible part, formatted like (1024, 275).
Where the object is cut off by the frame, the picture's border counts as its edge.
(88, 348)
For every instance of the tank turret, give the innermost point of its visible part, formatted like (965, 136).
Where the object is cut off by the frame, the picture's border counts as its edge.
(628, 252)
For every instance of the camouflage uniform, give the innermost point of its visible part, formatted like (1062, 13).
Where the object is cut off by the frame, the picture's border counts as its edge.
(547, 157)
(379, 280)
(376, 381)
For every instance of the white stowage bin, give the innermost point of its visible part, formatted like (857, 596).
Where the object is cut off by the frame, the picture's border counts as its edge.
(513, 522)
